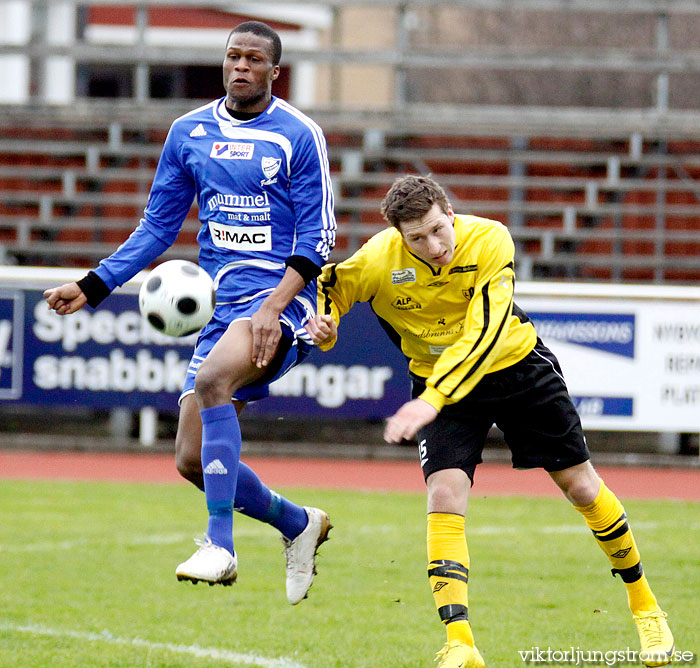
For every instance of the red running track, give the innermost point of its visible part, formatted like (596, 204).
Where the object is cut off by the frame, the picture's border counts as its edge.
(391, 475)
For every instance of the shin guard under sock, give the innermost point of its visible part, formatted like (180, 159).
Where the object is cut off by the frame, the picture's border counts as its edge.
(221, 449)
(606, 518)
(448, 572)
(255, 499)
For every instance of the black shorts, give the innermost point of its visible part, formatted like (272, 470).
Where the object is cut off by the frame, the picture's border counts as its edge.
(528, 401)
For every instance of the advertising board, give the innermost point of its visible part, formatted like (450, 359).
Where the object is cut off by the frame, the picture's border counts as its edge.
(630, 362)
(111, 357)
(630, 355)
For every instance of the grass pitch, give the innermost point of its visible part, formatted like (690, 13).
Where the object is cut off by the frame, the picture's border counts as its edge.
(87, 579)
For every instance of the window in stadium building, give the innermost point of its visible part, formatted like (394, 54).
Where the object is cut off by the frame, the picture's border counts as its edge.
(94, 80)
(197, 82)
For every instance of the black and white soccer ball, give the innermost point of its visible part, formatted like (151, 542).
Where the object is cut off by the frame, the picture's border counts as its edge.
(177, 298)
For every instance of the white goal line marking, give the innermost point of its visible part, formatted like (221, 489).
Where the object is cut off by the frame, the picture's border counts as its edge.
(234, 658)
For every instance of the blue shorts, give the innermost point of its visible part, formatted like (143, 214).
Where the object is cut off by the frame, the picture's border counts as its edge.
(294, 346)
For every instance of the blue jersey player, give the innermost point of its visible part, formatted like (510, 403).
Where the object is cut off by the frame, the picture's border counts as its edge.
(259, 171)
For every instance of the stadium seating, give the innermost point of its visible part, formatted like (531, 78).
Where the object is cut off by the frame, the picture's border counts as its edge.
(619, 209)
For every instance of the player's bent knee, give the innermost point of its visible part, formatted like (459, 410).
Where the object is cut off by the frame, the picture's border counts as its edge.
(579, 483)
(580, 490)
(209, 388)
(444, 501)
(189, 467)
(188, 460)
(446, 495)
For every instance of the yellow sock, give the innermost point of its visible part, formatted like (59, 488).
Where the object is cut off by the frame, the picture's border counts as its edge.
(448, 572)
(606, 518)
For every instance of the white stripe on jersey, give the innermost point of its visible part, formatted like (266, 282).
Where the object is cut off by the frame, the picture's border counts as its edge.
(198, 109)
(310, 310)
(308, 306)
(327, 242)
(261, 264)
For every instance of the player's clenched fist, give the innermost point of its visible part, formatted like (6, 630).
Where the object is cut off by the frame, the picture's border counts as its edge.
(406, 422)
(65, 299)
(322, 329)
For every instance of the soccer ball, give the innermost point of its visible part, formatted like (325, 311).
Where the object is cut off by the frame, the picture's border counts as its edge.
(177, 298)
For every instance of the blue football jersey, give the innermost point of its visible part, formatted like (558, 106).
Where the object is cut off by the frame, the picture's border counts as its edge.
(264, 193)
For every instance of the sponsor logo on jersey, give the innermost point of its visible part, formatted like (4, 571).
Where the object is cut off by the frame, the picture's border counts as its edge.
(199, 131)
(270, 167)
(239, 203)
(463, 269)
(231, 150)
(403, 276)
(609, 332)
(437, 350)
(437, 284)
(405, 304)
(234, 237)
(440, 333)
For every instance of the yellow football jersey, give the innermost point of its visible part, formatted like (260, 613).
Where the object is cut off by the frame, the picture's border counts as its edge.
(454, 323)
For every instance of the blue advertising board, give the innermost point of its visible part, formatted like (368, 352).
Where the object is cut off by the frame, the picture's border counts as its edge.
(111, 357)
(612, 334)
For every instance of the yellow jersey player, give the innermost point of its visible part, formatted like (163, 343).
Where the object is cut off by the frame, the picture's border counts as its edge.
(442, 286)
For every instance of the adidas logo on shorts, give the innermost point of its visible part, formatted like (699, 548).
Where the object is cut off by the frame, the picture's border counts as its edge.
(216, 468)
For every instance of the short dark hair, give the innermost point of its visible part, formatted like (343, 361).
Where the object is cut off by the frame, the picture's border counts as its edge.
(262, 30)
(411, 197)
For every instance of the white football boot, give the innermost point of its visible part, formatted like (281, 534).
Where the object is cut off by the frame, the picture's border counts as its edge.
(210, 563)
(301, 554)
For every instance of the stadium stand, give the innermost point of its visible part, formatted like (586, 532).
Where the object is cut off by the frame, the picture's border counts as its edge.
(578, 209)
(588, 194)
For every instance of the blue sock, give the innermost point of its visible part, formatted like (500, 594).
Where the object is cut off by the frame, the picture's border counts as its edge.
(221, 451)
(257, 500)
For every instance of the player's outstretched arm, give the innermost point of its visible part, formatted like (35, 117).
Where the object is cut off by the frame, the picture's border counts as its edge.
(322, 329)
(65, 299)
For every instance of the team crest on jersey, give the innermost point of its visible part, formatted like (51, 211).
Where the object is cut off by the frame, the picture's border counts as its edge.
(270, 167)
(231, 150)
(468, 294)
(403, 276)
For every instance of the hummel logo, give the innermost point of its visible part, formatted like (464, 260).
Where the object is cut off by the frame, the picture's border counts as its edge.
(199, 131)
(216, 468)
